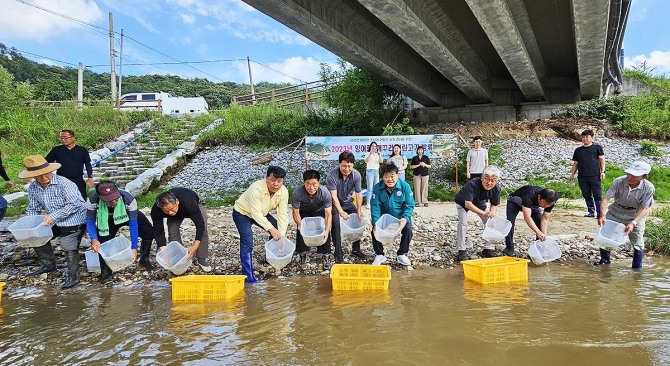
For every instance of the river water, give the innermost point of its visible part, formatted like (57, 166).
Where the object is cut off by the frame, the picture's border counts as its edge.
(568, 313)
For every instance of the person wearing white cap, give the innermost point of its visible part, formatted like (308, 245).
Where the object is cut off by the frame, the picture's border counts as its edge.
(633, 197)
(63, 206)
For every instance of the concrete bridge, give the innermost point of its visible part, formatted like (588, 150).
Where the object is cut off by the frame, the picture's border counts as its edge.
(463, 53)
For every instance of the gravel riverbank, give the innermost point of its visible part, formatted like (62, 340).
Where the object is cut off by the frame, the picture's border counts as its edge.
(229, 169)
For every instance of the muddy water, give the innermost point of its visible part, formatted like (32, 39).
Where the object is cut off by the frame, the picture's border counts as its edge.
(567, 314)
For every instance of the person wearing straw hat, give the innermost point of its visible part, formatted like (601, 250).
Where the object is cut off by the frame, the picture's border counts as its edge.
(72, 159)
(473, 197)
(633, 197)
(394, 197)
(477, 159)
(312, 200)
(107, 210)
(253, 208)
(60, 199)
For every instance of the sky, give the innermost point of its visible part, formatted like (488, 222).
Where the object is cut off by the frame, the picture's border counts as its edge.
(225, 32)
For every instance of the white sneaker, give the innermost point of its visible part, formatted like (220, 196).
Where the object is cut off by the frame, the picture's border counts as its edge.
(202, 263)
(402, 259)
(379, 259)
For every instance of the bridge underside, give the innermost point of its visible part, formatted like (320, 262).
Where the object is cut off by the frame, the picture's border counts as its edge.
(454, 53)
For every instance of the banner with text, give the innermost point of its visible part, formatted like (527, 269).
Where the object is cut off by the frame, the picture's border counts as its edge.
(330, 147)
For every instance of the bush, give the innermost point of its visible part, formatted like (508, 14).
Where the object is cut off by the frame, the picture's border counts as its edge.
(657, 234)
(650, 148)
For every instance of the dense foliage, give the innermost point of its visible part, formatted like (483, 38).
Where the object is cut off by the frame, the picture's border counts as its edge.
(60, 83)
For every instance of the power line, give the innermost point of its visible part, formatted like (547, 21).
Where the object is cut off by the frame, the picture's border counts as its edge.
(95, 27)
(107, 31)
(175, 63)
(292, 77)
(45, 57)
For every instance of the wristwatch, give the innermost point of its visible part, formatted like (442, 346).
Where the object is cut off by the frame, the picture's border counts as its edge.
(634, 223)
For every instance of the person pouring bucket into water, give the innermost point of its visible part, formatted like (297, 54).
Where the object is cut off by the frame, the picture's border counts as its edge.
(107, 210)
(633, 197)
(61, 200)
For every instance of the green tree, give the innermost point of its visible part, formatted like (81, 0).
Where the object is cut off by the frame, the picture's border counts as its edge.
(12, 94)
(363, 104)
(56, 88)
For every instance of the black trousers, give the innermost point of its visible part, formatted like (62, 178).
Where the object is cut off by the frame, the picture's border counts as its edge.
(300, 245)
(405, 237)
(144, 228)
(335, 231)
(513, 209)
(81, 185)
(591, 187)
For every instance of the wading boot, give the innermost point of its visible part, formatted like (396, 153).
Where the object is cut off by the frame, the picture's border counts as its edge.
(145, 252)
(637, 259)
(72, 257)
(604, 258)
(247, 267)
(509, 251)
(105, 271)
(462, 256)
(45, 253)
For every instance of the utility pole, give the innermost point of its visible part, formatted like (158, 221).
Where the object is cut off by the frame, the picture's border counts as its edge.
(120, 67)
(80, 86)
(251, 81)
(111, 56)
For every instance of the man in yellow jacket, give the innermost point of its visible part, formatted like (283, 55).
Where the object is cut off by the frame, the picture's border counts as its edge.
(254, 206)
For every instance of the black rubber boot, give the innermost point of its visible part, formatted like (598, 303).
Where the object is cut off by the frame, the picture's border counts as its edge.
(604, 258)
(45, 253)
(145, 252)
(105, 271)
(72, 280)
(637, 259)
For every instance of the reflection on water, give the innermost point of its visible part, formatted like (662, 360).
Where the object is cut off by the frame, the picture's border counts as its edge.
(567, 314)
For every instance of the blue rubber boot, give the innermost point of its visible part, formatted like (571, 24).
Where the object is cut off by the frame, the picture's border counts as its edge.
(637, 259)
(247, 268)
(604, 258)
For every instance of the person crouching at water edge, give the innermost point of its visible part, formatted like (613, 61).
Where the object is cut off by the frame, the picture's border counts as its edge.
(107, 210)
(529, 200)
(633, 197)
(473, 197)
(394, 197)
(313, 200)
(64, 207)
(253, 207)
(176, 205)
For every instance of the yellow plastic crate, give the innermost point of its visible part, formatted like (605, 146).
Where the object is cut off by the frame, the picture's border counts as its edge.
(496, 270)
(2, 284)
(206, 287)
(360, 277)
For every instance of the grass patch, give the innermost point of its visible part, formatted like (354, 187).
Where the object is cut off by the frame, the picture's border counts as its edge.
(658, 234)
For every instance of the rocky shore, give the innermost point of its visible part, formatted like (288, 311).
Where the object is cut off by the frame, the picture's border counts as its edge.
(225, 170)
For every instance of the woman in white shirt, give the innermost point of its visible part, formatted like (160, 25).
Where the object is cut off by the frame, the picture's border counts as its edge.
(373, 161)
(399, 161)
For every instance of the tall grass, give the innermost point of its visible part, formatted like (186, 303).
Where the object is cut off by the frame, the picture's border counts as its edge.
(34, 131)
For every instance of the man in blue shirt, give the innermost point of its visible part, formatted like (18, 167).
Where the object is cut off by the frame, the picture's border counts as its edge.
(394, 197)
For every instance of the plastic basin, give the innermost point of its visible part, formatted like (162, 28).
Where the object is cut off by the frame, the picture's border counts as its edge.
(541, 252)
(387, 229)
(279, 258)
(92, 261)
(117, 253)
(174, 257)
(353, 228)
(312, 230)
(611, 235)
(30, 232)
(496, 228)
